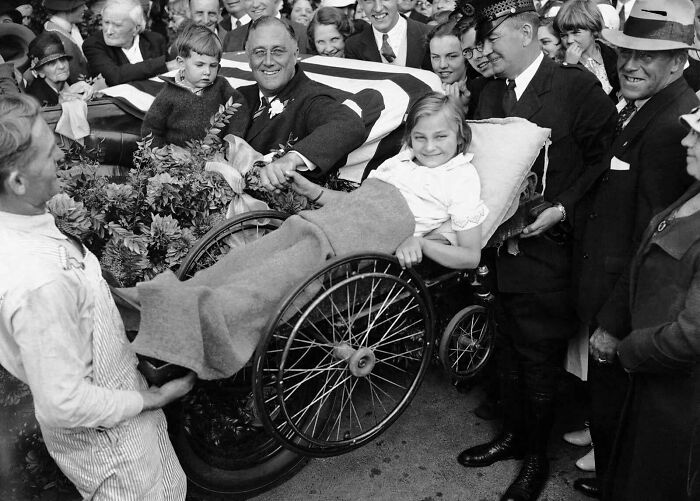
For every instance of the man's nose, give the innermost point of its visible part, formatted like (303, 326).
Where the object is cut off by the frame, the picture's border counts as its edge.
(443, 62)
(377, 6)
(268, 58)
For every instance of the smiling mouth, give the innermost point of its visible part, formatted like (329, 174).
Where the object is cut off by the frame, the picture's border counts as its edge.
(270, 73)
(379, 17)
(631, 79)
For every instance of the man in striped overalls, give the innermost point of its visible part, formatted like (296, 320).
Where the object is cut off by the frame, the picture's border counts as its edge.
(60, 333)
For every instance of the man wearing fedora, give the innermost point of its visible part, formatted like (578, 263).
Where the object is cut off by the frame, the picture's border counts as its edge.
(14, 46)
(643, 172)
(535, 312)
(65, 16)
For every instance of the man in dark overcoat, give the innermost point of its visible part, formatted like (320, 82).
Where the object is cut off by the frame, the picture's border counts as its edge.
(535, 314)
(285, 104)
(643, 173)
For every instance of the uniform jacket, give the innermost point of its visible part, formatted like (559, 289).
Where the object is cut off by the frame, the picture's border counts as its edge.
(363, 46)
(112, 63)
(326, 130)
(78, 63)
(652, 457)
(643, 173)
(235, 39)
(570, 101)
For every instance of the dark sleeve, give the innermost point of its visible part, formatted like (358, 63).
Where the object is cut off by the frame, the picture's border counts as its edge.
(100, 61)
(334, 131)
(238, 124)
(662, 179)
(351, 49)
(8, 84)
(593, 128)
(671, 347)
(156, 118)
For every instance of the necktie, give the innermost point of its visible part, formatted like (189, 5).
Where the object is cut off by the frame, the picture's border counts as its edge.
(622, 16)
(264, 105)
(509, 98)
(238, 23)
(625, 114)
(387, 51)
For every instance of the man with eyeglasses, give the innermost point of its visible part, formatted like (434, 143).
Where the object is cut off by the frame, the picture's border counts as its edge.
(643, 172)
(535, 310)
(286, 105)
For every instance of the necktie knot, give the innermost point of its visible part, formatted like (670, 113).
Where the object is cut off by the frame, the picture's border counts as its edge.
(264, 104)
(387, 51)
(238, 23)
(511, 85)
(510, 99)
(625, 114)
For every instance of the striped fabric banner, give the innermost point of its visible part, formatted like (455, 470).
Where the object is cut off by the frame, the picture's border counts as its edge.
(398, 86)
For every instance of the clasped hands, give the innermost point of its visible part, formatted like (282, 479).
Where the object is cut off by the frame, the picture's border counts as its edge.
(545, 220)
(277, 174)
(602, 346)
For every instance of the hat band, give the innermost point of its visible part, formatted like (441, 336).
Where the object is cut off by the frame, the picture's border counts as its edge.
(659, 30)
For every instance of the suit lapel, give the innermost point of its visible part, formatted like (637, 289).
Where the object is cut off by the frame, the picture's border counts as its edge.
(370, 49)
(531, 101)
(414, 54)
(263, 121)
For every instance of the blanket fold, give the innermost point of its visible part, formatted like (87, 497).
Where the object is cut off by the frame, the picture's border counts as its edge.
(213, 322)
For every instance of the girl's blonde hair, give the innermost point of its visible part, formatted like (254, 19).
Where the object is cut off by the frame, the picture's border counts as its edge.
(435, 102)
(579, 15)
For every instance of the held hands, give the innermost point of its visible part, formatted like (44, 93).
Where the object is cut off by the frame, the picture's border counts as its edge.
(573, 53)
(603, 346)
(302, 185)
(274, 175)
(410, 252)
(157, 397)
(547, 218)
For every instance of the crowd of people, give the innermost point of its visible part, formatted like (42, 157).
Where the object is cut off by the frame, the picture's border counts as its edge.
(602, 282)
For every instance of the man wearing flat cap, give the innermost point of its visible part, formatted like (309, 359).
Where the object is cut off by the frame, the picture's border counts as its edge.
(535, 312)
(643, 172)
(65, 16)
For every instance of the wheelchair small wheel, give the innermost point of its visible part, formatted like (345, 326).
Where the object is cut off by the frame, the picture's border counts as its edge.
(467, 342)
(346, 354)
(237, 231)
(221, 448)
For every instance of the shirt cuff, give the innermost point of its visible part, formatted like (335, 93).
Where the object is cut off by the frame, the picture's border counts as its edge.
(308, 164)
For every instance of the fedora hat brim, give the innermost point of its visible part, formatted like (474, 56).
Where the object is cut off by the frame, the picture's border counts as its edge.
(619, 39)
(17, 30)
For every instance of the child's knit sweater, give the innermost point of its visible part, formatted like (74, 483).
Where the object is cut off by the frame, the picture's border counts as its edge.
(177, 115)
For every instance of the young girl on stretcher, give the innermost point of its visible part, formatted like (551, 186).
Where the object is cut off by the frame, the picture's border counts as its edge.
(212, 323)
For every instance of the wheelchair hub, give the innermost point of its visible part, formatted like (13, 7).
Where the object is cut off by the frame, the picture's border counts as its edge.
(360, 362)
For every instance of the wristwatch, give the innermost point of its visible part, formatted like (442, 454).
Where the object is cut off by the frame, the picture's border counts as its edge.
(562, 209)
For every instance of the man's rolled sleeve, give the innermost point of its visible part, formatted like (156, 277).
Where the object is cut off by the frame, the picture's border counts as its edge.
(55, 344)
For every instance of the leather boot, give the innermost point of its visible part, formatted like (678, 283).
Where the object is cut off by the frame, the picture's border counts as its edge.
(535, 468)
(508, 444)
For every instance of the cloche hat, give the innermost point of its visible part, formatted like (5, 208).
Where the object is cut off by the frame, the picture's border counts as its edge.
(656, 25)
(45, 48)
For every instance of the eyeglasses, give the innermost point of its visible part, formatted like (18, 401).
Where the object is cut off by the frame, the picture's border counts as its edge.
(468, 53)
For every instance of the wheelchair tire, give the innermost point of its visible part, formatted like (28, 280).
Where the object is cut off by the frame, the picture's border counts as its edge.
(216, 242)
(467, 342)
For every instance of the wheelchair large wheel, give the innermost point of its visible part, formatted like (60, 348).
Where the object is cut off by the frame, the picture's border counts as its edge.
(237, 231)
(467, 342)
(345, 354)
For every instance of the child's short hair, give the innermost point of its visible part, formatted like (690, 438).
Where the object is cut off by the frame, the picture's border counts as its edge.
(435, 102)
(579, 15)
(199, 39)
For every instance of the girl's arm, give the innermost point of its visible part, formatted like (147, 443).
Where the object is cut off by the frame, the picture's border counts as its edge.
(311, 190)
(465, 255)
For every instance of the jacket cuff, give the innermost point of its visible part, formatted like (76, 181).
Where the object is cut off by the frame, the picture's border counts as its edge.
(639, 352)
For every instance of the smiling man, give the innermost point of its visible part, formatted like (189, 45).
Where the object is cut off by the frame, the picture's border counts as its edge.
(207, 13)
(285, 104)
(236, 40)
(643, 173)
(535, 313)
(393, 38)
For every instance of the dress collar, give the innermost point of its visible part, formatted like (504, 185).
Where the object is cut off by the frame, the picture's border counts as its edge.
(43, 224)
(406, 155)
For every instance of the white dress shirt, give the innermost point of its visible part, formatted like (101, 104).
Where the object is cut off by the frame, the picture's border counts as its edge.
(627, 5)
(524, 79)
(397, 41)
(133, 54)
(448, 192)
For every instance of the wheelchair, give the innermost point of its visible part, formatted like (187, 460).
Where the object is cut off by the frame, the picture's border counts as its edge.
(338, 363)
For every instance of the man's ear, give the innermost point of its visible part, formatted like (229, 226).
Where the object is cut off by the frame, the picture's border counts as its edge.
(180, 61)
(15, 183)
(529, 34)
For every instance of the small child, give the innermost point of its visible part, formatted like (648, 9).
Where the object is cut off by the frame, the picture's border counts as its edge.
(435, 176)
(182, 109)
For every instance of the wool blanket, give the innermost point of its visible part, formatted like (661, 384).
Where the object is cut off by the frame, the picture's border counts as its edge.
(213, 322)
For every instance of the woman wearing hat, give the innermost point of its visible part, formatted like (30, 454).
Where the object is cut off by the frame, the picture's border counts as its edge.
(50, 64)
(659, 437)
(65, 16)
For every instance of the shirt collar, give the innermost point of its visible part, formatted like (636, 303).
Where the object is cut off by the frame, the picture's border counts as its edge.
(524, 79)
(396, 34)
(244, 19)
(43, 224)
(61, 23)
(637, 104)
(134, 46)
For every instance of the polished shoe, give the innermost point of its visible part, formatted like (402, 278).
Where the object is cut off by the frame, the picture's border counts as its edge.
(530, 481)
(506, 446)
(588, 486)
(587, 462)
(582, 438)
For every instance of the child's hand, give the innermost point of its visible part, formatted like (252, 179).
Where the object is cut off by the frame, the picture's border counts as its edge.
(573, 53)
(459, 91)
(410, 252)
(302, 185)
